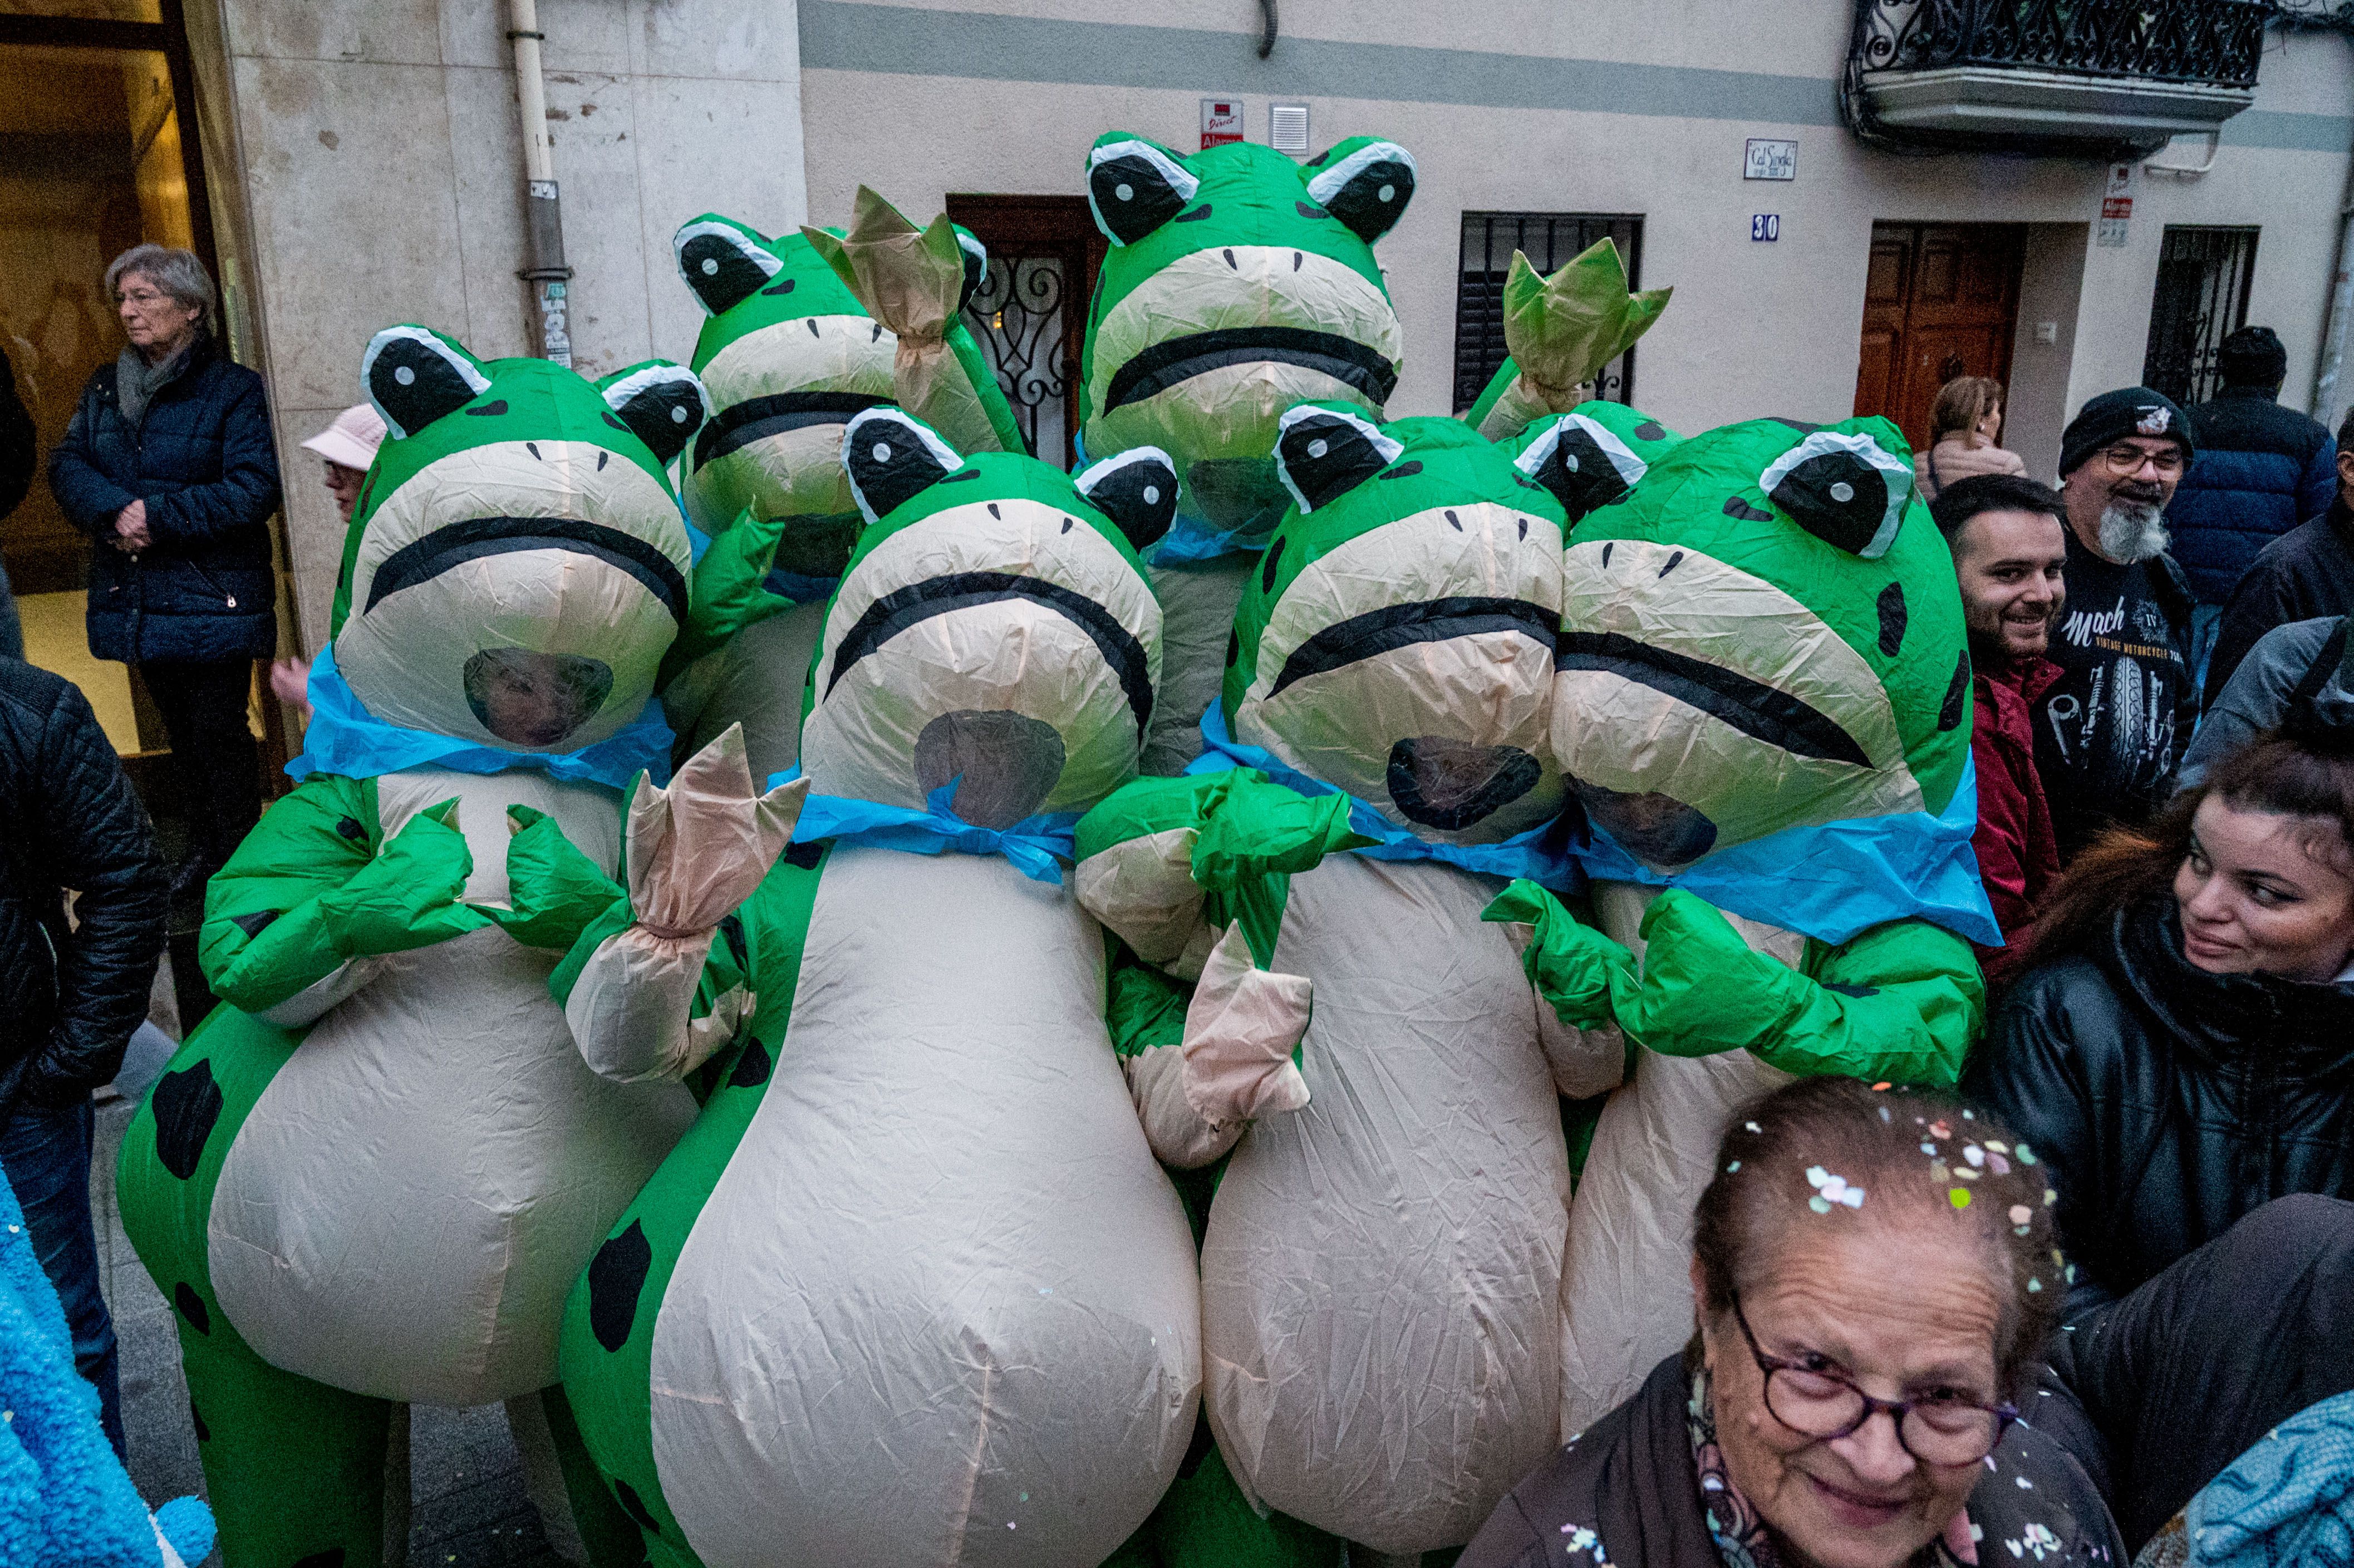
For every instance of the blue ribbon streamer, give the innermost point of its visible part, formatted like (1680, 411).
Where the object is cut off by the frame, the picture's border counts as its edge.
(1036, 846)
(1834, 881)
(1192, 540)
(1541, 854)
(344, 738)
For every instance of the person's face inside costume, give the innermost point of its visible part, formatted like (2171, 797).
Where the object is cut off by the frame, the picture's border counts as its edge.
(535, 699)
(157, 324)
(2116, 497)
(344, 484)
(2010, 566)
(2264, 893)
(1900, 1312)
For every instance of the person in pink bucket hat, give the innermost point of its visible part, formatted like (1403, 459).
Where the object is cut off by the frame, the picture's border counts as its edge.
(347, 446)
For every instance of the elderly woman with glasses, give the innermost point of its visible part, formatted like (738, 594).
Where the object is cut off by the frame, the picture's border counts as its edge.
(1876, 1274)
(1878, 1278)
(167, 465)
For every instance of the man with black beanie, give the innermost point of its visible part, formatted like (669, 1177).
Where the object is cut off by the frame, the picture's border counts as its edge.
(2110, 730)
(2263, 470)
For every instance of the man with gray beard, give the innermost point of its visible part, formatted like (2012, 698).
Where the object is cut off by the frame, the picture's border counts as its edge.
(2109, 731)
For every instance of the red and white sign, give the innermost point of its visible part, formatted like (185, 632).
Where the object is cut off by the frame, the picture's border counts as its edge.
(2117, 209)
(1222, 121)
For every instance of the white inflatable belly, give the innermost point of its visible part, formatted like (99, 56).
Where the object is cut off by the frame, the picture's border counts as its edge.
(756, 680)
(1627, 1301)
(941, 1307)
(1380, 1277)
(405, 1209)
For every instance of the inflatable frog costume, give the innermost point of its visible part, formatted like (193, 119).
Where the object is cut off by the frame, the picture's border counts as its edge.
(789, 353)
(1763, 704)
(372, 1173)
(1381, 1272)
(1237, 284)
(912, 1291)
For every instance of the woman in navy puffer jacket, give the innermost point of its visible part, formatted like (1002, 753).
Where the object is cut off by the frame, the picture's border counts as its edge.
(168, 465)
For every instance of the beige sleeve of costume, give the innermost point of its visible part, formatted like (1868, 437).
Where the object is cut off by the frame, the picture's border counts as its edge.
(1144, 889)
(1233, 1064)
(313, 1002)
(630, 1011)
(1585, 1061)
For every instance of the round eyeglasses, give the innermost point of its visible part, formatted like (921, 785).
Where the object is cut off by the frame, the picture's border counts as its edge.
(1940, 1430)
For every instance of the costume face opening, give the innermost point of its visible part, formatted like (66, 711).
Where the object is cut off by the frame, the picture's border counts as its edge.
(1231, 292)
(1398, 639)
(993, 637)
(1763, 633)
(518, 566)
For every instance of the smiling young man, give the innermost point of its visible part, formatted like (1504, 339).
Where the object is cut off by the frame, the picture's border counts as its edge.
(2009, 540)
(2110, 730)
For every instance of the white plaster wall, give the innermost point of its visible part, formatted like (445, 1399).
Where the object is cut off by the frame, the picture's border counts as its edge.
(382, 159)
(1755, 328)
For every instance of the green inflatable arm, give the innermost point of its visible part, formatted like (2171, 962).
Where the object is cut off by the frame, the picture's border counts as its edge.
(308, 893)
(1900, 1002)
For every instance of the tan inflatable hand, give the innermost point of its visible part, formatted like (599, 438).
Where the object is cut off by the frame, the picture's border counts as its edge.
(912, 279)
(1240, 1030)
(697, 850)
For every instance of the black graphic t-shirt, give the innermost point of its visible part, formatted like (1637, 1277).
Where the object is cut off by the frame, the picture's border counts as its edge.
(2111, 729)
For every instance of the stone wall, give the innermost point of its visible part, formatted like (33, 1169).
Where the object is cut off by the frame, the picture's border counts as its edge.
(382, 182)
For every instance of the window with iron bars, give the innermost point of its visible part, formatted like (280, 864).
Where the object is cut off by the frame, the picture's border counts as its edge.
(1549, 239)
(2201, 298)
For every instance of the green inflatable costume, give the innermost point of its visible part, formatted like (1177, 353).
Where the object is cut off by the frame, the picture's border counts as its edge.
(1381, 1275)
(1237, 284)
(1763, 706)
(913, 1290)
(789, 353)
(372, 1173)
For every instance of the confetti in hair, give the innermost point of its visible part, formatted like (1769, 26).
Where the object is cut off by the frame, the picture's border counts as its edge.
(1829, 1189)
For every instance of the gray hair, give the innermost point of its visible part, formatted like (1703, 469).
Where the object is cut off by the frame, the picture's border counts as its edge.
(173, 272)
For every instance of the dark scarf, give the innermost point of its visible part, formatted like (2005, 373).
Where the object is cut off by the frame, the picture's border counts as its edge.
(136, 382)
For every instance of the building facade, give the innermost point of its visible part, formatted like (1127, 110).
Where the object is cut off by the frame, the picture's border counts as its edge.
(1995, 208)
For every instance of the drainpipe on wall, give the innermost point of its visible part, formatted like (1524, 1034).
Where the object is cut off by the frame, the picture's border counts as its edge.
(544, 266)
(2340, 317)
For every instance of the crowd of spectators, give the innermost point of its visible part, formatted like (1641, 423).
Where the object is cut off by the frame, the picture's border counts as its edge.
(2134, 1309)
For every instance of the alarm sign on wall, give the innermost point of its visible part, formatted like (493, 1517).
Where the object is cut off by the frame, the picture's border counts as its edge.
(1222, 121)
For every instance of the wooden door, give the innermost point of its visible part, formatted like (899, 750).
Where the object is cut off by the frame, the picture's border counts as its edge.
(1940, 299)
(1030, 315)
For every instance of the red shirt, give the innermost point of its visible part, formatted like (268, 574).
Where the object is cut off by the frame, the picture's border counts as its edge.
(2018, 856)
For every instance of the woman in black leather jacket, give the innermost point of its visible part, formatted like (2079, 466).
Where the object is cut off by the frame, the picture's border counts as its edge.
(2179, 1048)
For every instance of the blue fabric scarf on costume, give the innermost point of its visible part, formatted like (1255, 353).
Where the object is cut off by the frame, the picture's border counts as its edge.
(1541, 854)
(1837, 880)
(1036, 846)
(344, 738)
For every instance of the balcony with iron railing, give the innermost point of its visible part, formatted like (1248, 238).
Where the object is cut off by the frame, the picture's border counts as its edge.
(2087, 78)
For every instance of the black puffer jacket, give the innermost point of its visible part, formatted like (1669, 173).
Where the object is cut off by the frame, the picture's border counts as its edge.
(2168, 1102)
(202, 459)
(68, 998)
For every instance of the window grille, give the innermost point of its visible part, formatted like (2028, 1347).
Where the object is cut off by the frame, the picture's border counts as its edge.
(1549, 239)
(2201, 298)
